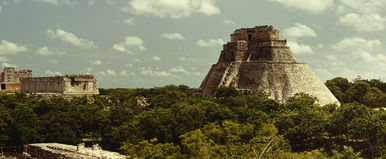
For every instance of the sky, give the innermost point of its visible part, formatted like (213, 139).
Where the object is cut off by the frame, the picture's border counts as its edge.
(152, 43)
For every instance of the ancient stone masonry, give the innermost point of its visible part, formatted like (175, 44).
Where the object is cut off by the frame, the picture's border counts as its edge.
(69, 85)
(10, 79)
(56, 150)
(256, 59)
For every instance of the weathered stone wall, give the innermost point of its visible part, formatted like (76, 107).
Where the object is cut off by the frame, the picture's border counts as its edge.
(272, 43)
(12, 86)
(270, 53)
(62, 151)
(22, 74)
(81, 86)
(280, 80)
(267, 64)
(213, 78)
(234, 51)
(266, 35)
(43, 85)
(283, 80)
(39, 152)
(60, 85)
(276, 50)
(22, 80)
(258, 33)
(9, 75)
(239, 36)
(10, 79)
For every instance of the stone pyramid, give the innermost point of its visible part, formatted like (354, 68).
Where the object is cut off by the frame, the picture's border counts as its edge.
(256, 59)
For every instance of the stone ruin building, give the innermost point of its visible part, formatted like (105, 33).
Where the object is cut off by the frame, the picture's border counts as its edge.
(256, 59)
(63, 151)
(68, 85)
(10, 79)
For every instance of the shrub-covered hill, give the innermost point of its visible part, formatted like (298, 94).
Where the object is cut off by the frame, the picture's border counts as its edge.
(180, 123)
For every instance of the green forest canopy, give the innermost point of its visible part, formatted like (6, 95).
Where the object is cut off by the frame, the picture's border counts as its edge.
(179, 123)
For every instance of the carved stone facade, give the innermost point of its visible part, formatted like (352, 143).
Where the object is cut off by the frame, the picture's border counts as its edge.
(10, 79)
(256, 59)
(70, 85)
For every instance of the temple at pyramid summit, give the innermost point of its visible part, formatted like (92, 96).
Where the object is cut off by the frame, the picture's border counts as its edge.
(256, 59)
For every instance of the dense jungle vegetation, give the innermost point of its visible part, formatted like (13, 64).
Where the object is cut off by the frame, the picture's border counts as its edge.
(179, 123)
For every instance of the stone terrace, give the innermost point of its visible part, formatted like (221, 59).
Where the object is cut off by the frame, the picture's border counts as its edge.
(56, 150)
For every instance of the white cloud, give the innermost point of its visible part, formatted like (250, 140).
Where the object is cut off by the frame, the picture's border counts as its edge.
(363, 23)
(7, 47)
(331, 57)
(206, 7)
(51, 73)
(60, 2)
(186, 59)
(3, 59)
(70, 38)
(120, 47)
(88, 70)
(210, 42)
(299, 30)
(111, 72)
(129, 65)
(8, 65)
(1, 9)
(172, 36)
(101, 73)
(341, 9)
(310, 6)
(123, 73)
(130, 45)
(372, 58)
(354, 44)
(365, 6)
(96, 62)
(300, 49)
(227, 21)
(129, 21)
(91, 2)
(156, 58)
(179, 69)
(111, 2)
(172, 8)
(365, 57)
(197, 73)
(44, 51)
(324, 72)
(57, 2)
(53, 61)
(148, 71)
(15, 1)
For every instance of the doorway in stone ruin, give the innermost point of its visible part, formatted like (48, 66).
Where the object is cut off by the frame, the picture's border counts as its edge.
(3, 86)
(249, 37)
